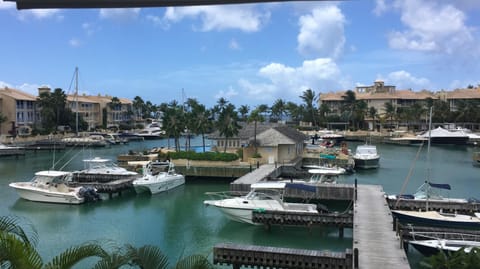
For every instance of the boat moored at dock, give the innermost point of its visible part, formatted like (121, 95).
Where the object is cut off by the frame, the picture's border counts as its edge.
(157, 182)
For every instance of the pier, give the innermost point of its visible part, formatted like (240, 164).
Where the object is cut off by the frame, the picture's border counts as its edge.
(373, 238)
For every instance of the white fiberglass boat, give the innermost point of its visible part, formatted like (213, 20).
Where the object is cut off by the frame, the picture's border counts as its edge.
(50, 187)
(156, 182)
(102, 170)
(366, 157)
(262, 196)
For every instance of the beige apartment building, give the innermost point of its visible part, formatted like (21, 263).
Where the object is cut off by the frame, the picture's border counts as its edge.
(378, 94)
(22, 113)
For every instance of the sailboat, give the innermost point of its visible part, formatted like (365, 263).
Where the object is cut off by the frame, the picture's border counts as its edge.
(434, 218)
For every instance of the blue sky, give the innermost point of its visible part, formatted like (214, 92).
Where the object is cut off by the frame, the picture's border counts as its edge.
(249, 54)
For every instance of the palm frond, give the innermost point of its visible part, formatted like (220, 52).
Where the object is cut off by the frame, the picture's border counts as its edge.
(112, 261)
(14, 253)
(20, 228)
(194, 262)
(147, 257)
(76, 254)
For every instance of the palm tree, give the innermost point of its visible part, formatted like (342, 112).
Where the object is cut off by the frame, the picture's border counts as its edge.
(255, 117)
(372, 113)
(174, 122)
(350, 101)
(138, 106)
(278, 109)
(227, 123)
(309, 99)
(17, 250)
(389, 111)
(243, 110)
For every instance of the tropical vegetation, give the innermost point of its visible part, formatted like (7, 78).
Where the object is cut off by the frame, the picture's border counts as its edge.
(19, 239)
(453, 260)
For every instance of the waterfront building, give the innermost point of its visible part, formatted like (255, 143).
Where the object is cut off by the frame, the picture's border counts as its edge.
(20, 110)
(378, 94)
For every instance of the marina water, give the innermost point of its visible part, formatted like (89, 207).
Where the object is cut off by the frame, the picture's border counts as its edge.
(181, 225)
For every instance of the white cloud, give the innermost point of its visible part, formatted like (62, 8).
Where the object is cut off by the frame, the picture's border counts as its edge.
(234, 45)
(242, 17)
(40, 14)
(287, 82)
(432, 27)
(404, 80)
(120, 14)
(322, 32)
(90, 28)
(380, 7)
(158, 21)
(7, 5)
(3, 84)
(226, 94)
(74, 42)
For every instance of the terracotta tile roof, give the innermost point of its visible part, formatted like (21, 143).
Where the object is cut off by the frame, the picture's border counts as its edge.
(398, 94)
(17, 94)
(463, 94)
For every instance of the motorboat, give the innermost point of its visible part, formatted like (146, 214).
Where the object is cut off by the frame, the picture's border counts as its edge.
(262, 196)
(326, 175)
(429, 243)
(437, 219)
(86, 141)
(444, 136)
(102, 170)
(7, 150)
(51, 187)
(156, 182)
(152, 131)
(366, 157)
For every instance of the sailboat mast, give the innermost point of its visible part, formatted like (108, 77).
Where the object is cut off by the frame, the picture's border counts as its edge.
(428, 154)
(76, 100)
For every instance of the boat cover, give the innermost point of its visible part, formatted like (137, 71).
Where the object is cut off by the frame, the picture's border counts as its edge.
(440, 186)
(300, 186)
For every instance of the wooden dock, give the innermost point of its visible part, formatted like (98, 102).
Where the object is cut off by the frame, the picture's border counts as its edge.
(373, 236)
(263, 172)
(273, 257)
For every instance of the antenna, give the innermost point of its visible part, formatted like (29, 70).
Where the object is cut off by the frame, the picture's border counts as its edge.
(76, 100)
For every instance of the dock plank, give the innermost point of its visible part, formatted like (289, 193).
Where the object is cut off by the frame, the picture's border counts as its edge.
(377, 243)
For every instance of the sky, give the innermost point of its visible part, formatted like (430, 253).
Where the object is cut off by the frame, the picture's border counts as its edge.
(249, 54)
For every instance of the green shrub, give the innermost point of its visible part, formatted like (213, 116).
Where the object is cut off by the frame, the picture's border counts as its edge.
(204, 156)
(256, 155)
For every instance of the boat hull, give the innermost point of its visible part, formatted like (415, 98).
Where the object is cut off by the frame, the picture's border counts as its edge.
(450, 140)
(413, 217)
(47, 196)
(367, 163)
(155, 187)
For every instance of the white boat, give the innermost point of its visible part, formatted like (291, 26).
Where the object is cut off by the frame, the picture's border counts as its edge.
(156, 182)
(86, 141)
(427, 191)
(327, 175)
(262, 196)
(366, 157)
(151, 131)
(430, 243)
(444, 136)
(50, 187)
(102, 170)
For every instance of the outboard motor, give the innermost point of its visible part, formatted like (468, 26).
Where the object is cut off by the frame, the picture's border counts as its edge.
(90, 194)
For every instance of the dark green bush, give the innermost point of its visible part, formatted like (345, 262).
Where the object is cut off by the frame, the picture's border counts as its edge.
(204, 156)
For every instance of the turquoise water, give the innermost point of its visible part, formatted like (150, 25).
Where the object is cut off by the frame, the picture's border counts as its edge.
(180, 224)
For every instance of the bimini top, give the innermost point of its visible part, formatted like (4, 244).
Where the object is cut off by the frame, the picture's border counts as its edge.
(268, 185)
(327, 171)
(97, 160)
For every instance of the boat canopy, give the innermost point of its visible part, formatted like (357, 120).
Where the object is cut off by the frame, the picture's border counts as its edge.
(300, 186)
(440, 186)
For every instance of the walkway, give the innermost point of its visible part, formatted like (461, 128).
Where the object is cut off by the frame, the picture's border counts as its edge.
(373, 234)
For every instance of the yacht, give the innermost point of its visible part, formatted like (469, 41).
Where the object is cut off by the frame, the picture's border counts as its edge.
(444, 136)
(152, 131)
(51, 187)
(102, 170)
(366, 157)
(262, 196)
(429, 243)
(328, 175)
(156, 182)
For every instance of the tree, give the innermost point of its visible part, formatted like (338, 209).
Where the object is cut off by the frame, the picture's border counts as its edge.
(227, 123)
(389, 111)
(53, 111)
(350, 101)
(373, 113)
(3, 119)
(255, 117)
(309, 99)
(174, 122)
(243, 110)
(17, 250)
(138, 107)
(278, 109)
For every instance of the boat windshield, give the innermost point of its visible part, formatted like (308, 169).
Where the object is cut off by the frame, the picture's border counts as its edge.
(264, 194)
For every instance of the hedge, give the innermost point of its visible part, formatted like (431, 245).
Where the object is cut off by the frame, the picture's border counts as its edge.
(204, 156)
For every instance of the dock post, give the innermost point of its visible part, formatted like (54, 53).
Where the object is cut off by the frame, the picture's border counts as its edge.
(355, 189)
(355, 258)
